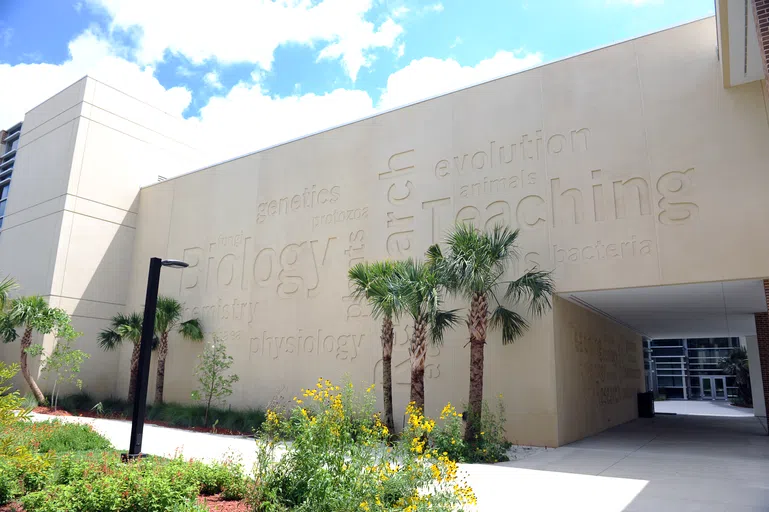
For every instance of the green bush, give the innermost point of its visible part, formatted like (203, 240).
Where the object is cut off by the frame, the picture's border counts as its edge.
(98, 482)
(490, 444)
(338, 460)
(246, 421)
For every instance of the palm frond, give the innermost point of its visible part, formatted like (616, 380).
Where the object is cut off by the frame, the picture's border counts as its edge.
(167, 314)
(440, 322)
(7, 285)
(535, 287)
(513, 325)
(109, 339)
(129, 326)
(8, 332)
(191, 330)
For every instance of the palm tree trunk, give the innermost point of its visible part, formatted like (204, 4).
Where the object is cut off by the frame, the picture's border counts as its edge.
(418, 352)
(26, 342)
(162, 353)
(387, 377)
(476, 323)
(134, 371)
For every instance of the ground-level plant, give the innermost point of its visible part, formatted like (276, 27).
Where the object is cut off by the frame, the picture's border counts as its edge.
(339, 459)
(473, 266)
(63, 365)
(212, 371)
(736, 365)
(33, 314)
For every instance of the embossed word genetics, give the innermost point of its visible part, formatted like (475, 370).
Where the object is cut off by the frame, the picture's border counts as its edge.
(344, 347)
(307, 199)
(522, 150)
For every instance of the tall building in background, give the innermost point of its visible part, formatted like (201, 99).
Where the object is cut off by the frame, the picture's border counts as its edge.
(9, 142)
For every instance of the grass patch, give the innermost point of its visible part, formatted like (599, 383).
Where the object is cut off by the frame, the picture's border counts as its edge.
(47, 436)
(246, 421)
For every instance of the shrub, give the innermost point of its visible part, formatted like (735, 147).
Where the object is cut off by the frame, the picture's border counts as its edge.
(98, 482)
(339, 460)
(46, 436)
(490, 444)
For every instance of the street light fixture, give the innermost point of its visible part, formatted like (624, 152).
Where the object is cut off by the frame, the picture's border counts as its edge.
(145, 353)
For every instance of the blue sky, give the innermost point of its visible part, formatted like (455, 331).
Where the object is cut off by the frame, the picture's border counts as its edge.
(373, 53)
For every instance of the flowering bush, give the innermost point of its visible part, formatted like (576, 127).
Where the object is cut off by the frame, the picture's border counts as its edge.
(490, 444)
(339, 459)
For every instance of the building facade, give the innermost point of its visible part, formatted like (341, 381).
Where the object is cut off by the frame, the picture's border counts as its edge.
(620, 167)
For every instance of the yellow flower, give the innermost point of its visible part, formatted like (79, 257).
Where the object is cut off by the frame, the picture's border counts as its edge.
(364, 505)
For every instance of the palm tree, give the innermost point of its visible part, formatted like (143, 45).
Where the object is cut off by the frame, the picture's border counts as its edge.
(736, 364)
(372, 281)
(473, 266)
(167, 316)
(34, 314)
(417, 288)
(6, 286)
(124, 327)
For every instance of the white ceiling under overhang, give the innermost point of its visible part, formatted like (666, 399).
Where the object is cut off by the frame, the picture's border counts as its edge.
(738, 47)
(680, 311)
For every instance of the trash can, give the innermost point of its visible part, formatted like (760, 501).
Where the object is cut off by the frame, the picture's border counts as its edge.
(646, 404)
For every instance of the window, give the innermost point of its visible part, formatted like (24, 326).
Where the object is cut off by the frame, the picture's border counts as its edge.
(4, 191)
(2, 207)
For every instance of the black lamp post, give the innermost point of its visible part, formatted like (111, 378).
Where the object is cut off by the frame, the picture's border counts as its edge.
(145, 353)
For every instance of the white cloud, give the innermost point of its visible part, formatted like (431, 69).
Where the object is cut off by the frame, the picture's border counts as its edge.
(429, 77)
(248, 118)
(434, 7)
(457, 42)
(401, 11)
(236, 31)
(401, 50)
(212, 79)
(30, 84)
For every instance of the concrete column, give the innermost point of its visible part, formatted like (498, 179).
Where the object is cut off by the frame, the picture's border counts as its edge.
(761, 15)
(762, 339)
(756, 385)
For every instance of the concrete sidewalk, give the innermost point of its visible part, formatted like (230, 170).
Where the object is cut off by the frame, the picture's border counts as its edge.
(498, 487)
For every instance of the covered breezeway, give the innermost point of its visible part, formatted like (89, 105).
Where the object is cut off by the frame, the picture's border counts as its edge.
(677, 463)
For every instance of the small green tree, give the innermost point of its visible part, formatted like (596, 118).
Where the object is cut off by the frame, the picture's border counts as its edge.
(11, 409)
(212, 373)
(736, 364)
(125, 327)
(34, 314)
(64, 362)
(167, 317)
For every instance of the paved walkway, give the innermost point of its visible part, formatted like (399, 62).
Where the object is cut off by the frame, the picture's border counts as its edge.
(702, 408)
(669, 463)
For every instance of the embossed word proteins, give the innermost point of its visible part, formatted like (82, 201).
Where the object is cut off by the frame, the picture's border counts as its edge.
(344, 347)
(340, 216)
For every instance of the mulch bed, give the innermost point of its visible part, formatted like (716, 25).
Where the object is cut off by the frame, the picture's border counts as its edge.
(12, 507)
(215, 503)
(90, 414)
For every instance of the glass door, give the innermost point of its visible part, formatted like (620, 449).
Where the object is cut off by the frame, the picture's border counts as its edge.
(713, 388)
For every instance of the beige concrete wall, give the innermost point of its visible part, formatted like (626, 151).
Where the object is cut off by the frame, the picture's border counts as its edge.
(599, 371)
(621, 167)
(71, 218)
